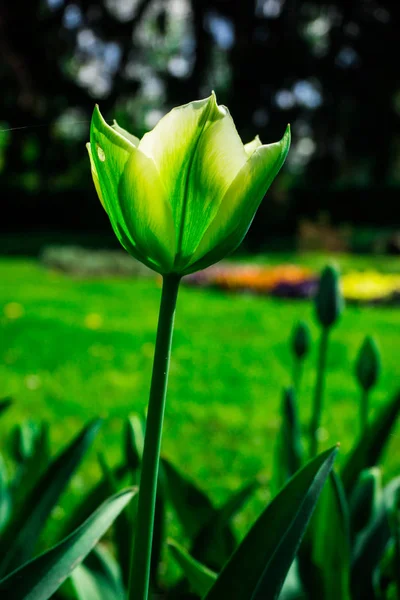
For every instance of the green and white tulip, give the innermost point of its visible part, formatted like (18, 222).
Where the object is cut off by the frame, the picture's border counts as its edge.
(184, 196)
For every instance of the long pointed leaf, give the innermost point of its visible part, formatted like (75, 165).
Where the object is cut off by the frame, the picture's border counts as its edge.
(192, 505)
(257, 569)
(215, 542)
(199, 576)
(41, 577)
(331, 543)
(19, 539)
(368, 450)
(98, 578)
(371, 544)
(5, 496)
(289, 451)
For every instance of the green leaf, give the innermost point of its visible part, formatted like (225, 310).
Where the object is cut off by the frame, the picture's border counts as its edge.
(98, 578)
(91, 501)
(257, 569)
(289, 451)
(292, 588)
(196, 512)
(4, 404)
(371, 544)
(24, 439)
(192, 505)
(31, 449)
(332, 560)
(122, 527)
(19, 539)
(215, 541)
(41, 577)
(368, 551)
(200, 577)
(134, 442)
(365, 499)
(5, 496)
(368, 450)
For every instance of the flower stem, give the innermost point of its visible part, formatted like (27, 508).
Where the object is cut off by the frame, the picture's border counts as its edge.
(297, 375)
(364, 406)
(319, 392)
(143, 535)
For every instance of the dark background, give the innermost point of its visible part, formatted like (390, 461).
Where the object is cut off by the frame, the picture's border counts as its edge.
(328, 68)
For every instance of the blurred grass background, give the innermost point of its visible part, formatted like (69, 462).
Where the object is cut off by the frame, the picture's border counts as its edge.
(76, 348)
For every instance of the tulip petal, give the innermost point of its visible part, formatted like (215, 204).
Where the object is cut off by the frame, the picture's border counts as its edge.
(94, 175)
(218, 158)
(172, 143)
(147, 212)
(129, 136)
(240, 204)
(252, 146)
(110, 151)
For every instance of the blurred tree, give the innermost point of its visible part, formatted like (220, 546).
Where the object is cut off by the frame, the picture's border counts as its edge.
(326, 67)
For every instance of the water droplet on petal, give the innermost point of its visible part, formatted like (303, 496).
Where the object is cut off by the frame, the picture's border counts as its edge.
(100, 154)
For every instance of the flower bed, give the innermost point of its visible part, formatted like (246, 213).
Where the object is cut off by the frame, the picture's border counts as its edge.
(292, 281)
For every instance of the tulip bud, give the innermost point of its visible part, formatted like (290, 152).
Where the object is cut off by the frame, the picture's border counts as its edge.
(368, 364)
(329, 299)
(183, 197)
(301, 340)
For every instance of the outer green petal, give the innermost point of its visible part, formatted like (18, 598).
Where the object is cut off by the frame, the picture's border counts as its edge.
(218, 158)
(172, 143)
(110, 152)
(240, 204)
(129, 136)
(146, 210)
(252, 146)
(95, 176)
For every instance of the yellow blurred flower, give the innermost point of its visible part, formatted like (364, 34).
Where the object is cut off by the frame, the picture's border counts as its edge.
(93, 321)
(14, 310)
(369, 285)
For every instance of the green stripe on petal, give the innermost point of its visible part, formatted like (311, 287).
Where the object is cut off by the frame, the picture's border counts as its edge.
(240, 204)
(252, 146)
(129, 136)
(218, 158)
(172, 143)
(146, 210)
(95, 176)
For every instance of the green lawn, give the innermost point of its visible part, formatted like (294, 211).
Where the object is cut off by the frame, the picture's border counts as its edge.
(80, 348)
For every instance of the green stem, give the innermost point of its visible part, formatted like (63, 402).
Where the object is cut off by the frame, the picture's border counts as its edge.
(364, 406)
(297, 375)
(144, 523)
(319, 392)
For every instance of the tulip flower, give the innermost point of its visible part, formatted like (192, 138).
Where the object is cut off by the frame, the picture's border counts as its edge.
(179, 200)
(184, 196)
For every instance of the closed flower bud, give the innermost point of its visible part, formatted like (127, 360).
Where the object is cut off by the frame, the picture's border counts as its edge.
(368, 364)
(184, 196)
(329, 299)
(301, 340)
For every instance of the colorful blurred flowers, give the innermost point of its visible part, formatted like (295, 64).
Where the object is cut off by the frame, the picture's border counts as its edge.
(292, 281)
